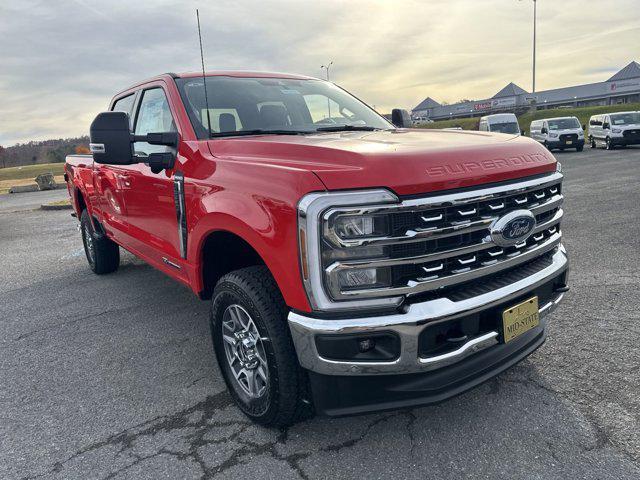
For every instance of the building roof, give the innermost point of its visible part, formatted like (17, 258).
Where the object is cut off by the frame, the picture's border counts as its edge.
(630, 71)
(509, 91)
(426, 103)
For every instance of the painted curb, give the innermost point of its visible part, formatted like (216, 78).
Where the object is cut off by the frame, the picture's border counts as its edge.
(55, 207)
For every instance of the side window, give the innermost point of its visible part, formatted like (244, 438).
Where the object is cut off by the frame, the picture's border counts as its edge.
(125, 104)
(154, 115)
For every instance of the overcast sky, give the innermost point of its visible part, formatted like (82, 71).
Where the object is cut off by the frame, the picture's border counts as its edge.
(61, 61)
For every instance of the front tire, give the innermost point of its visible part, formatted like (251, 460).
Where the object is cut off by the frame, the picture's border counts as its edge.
(607, 144)
(592, 142)
(102, 253)
(254, 348)
(580, 148)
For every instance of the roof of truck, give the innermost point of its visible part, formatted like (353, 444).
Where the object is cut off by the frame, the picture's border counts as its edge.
(243, 74)
(219, 73)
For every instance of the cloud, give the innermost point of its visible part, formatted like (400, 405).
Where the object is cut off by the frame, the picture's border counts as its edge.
(62, 61)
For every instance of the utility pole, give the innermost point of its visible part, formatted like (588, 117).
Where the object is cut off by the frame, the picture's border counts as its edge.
(327, 67)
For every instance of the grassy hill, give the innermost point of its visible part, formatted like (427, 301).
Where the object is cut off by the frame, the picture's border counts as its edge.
(583, 114)
(42, 151)
(30, 171)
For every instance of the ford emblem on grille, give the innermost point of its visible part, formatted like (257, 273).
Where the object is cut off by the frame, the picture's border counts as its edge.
(513, 228)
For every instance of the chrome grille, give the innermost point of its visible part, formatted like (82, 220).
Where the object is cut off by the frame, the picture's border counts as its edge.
(441, 241)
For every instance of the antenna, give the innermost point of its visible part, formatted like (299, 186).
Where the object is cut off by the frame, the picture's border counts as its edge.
(204, 79)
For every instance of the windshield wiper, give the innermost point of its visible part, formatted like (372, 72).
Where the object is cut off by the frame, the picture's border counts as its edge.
(347, 128)
(259, 131)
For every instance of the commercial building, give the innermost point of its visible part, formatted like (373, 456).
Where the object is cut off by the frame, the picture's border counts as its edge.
(623, 87)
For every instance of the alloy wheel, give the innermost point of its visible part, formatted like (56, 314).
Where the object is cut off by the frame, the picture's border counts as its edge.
(244, 351)
(88, 242)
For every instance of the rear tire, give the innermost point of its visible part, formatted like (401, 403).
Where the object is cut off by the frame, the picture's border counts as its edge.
(253, 345)
(102, 253)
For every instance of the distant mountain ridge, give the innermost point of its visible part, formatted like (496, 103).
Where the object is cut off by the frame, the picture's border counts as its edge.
(42, 151)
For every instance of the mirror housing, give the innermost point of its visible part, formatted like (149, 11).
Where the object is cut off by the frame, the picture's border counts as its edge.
(400, 118)
(160, 161)
(112, 143)
(605, 126)
(111, 139)
(543, 130)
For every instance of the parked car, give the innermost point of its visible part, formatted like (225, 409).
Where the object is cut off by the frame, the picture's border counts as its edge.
(558, 132)
(351, 266)
(421, 121)
(501, 123)
(614, 129)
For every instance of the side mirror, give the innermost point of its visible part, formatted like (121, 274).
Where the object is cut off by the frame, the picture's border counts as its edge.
(112, 142)
(400, 118)
(584, 127)
(543, 130)
(111, 139)
(605, 126)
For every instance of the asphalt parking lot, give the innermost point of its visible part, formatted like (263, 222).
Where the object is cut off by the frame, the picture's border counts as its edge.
(114, 377)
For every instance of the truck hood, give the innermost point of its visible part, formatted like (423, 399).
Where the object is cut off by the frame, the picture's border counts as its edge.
(406, 161)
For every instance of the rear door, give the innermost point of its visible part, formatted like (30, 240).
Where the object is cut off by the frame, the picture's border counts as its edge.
(109, 185)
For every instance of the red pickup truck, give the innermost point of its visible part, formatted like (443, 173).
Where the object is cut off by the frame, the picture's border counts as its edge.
(352, 264)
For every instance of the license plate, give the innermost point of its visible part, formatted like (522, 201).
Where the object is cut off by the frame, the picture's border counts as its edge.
(569, 142)
(520, 318)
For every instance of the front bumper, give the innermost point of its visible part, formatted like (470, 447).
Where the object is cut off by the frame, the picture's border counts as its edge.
(412, 379)
(625, 140)
(563, 144)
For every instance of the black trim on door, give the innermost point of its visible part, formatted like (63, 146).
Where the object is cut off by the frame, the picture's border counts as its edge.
(181, 215)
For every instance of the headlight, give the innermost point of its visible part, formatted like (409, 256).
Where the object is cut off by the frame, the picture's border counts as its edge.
(616, 130)
(581, 133)
(359, 226)
(334, 228)
(553, 135)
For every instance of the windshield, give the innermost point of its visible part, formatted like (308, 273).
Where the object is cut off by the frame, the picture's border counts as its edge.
(563, 123)
(509, 127)
(252, 106)
(625, 118)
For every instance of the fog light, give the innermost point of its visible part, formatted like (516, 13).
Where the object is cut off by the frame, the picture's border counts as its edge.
(366, 345)
(358, 277)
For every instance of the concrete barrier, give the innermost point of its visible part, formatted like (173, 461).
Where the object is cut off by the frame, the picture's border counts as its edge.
(24, 188)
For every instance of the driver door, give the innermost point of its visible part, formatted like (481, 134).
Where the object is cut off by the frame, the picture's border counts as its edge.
(149, 197)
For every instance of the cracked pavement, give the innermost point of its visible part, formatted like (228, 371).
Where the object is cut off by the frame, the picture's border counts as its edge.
(113, 377)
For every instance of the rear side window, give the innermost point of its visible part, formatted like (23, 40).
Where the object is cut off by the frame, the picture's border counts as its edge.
(125, 104)
(154, 115)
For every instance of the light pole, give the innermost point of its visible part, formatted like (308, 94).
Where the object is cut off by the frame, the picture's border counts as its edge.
(534, 45)
(327, 67)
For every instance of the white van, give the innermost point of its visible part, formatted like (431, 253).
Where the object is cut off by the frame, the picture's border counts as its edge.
(501, 123)
(558, 132)
(611, 129)
(421, 120)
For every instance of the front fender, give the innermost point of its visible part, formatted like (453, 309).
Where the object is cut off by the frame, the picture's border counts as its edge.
(266, 221)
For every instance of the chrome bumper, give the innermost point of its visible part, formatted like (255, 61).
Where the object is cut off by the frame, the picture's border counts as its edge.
(410, 324)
